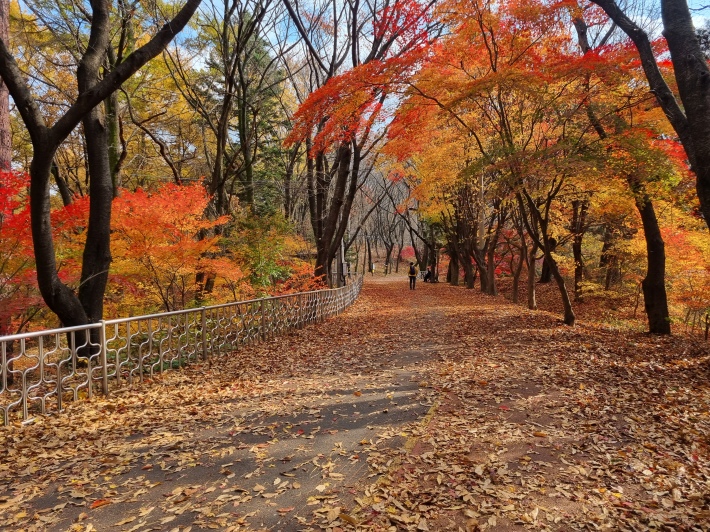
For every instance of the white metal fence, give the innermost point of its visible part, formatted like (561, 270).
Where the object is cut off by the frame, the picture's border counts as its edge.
(42, 370)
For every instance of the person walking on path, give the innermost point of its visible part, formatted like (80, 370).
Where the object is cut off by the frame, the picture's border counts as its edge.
(412, 276)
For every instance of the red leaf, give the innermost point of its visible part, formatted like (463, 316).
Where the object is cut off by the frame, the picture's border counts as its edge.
(99, 502)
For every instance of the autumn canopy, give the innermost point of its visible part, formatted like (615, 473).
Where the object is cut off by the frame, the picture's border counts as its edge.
(274, 147)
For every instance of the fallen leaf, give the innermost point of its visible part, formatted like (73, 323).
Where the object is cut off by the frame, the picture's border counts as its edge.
(99, 502)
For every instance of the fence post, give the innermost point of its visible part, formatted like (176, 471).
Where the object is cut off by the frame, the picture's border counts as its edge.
(104, 357)
(263, 321)
(300, 311)
(25, 407)
(60, 391)
(203, 317)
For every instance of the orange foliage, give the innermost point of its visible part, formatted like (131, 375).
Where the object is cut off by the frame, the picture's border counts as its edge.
(157, 245)
(352, 102)
(19, 294)
(300, 280)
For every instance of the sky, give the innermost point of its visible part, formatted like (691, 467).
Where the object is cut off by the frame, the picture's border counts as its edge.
(700, 10)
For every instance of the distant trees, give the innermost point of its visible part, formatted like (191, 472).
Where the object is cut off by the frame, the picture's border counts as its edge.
(342, 121)
(521, 131)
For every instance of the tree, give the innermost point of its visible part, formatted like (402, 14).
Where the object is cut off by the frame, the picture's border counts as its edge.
(343, 119)
(691, 122)
(20, 300)
(5, 132)
(630, 155)
(236, 93)
(87, 305)
(501, 83)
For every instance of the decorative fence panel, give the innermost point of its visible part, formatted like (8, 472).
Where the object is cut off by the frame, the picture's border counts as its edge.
(40, 371)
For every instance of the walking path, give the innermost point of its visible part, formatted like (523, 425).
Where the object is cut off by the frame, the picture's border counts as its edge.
(437, 409)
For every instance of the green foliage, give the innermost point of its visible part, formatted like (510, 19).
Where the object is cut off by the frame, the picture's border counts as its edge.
(262, 244)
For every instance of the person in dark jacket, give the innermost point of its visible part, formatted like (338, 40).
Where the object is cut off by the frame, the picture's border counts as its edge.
(412, 276)
(427, 275)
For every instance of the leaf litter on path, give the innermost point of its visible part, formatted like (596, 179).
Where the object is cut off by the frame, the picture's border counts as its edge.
(537, 426)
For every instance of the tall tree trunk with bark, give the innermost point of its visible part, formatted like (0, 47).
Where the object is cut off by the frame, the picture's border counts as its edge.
(289, 202)
(530, 259)
(468, 268)
(453, 274)
(5, 131)
(609, 260)
(516, 271)
(546, 272)
(654, 284)
(97, 253)
(480, 257)
(330, 209)
(569, 317)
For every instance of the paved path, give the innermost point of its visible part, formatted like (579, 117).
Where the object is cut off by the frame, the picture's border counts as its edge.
(287, 458)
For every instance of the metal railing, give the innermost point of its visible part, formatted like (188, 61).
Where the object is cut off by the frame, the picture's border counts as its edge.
(40, 371)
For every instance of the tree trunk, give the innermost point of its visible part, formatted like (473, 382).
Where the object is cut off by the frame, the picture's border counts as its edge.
(246, 148)
(693, 77)
(453, 275)
(113, 142)
(389, 248)
(609, 259)
(97, 252)
(59, 297)
(579, 220)
(653, 285)
(546, 273)
(491, 288)
(469, 271)
(64, 191)
(330, 212)
(288, 181)
(517, 271)
(692, 122)
(45, 141)
(5, 131)
(569, 317)
(399, 250)
(532, 300)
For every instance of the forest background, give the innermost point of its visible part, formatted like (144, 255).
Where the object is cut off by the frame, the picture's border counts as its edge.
(270, 144)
